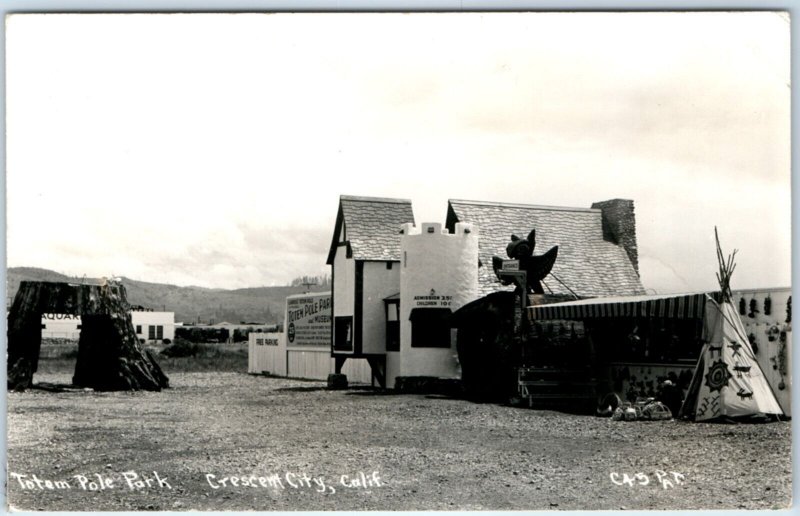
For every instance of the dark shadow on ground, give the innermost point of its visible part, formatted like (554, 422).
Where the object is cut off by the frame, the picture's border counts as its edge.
(268, 375)
(324, 387)
(371, 391)
(310, 388)
(54, 387)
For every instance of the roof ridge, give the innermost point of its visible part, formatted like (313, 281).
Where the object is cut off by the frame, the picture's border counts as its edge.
(528, 206)
(373, 199)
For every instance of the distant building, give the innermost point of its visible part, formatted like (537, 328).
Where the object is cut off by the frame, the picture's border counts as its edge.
(149, 326)
(61, 326)
(154, 326)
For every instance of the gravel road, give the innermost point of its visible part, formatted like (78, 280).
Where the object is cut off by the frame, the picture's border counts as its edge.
(229, 441)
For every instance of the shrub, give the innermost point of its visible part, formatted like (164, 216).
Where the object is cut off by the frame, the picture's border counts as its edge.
(71, 353)
(167, 341)
(181, 348)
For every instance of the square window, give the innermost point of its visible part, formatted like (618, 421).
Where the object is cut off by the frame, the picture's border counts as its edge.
(430, 327)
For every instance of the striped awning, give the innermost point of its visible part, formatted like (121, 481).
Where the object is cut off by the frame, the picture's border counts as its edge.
(668, 306)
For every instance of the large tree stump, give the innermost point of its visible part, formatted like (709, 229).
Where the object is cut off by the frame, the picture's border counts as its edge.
(109, 355)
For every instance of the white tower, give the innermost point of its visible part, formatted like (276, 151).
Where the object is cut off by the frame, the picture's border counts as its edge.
(438, 275)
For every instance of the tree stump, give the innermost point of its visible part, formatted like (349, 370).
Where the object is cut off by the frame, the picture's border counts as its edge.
(110, 357)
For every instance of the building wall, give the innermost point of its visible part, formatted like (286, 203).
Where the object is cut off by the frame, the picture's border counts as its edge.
(146, 319)
(393, 367)
(379, 283)
(68, 326)
(772, 336)
(61, 326)
(438, 270)
(344, 281)
(356, 369)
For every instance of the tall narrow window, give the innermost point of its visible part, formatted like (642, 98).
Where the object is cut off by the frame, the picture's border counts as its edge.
(392, 327)
(343, 334)
(151, 332)
(159, 332)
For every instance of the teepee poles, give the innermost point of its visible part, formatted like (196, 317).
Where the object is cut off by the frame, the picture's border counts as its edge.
(726, 268)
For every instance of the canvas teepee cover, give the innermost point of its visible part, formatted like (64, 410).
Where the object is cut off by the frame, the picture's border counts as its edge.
(728, 381)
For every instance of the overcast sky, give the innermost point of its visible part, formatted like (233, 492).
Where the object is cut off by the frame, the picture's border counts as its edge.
(211, 149)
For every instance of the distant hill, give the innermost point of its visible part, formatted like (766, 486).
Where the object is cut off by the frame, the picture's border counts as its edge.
(258, 304)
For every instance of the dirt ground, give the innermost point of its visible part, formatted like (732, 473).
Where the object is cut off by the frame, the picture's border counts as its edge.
(417, 453)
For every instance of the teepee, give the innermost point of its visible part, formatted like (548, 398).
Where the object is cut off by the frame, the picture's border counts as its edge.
(728, 381)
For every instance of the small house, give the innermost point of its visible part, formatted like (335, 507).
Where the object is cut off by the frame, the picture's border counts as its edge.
(364, 257)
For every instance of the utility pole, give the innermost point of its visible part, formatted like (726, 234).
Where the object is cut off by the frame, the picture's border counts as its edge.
(307, 284)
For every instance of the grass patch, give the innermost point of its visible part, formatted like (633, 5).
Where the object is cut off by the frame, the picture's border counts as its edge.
(55, 365)
(204, 358)
(207, 357)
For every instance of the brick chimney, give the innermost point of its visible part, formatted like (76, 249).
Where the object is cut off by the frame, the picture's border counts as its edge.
(619, 226)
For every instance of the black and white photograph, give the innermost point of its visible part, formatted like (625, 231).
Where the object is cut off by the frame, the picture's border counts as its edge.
(398, 261)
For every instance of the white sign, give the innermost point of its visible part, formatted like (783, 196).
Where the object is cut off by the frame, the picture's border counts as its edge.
(308, 320)
(432, 299)
(510, 265)
(61, 317)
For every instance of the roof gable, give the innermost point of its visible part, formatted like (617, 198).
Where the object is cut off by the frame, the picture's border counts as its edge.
(587, 264)
(371, 226)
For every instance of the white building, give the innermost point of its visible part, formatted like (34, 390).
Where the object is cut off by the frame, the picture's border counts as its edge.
(394, 288)
(149, 326)
(438, 275)
(61, 326)
(153, 326)
(766, 315)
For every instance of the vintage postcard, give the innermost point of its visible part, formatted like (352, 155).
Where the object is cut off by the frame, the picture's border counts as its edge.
(457, 261)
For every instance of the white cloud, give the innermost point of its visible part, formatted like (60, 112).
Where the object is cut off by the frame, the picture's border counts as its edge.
(194, 148)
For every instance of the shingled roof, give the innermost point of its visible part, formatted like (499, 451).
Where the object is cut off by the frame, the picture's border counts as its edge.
(587, 263)
(372, 226)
